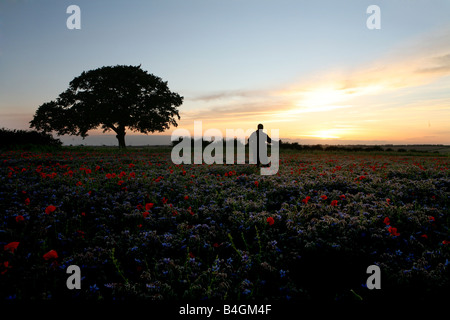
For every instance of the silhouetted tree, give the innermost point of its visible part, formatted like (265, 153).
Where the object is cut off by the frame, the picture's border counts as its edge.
(114, 98)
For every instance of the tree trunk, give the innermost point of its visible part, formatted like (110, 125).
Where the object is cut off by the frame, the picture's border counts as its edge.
(121, 137)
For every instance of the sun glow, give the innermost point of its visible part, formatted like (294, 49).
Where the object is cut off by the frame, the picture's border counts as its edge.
(323, 134)
(322, 97)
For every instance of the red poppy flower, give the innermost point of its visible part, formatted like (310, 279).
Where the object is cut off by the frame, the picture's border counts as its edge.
(19, 218)
(145, 214)
(81, 233)
(393, 231)
(334, 203)
(11, 246)
(256, 183)
(324, 197)
(6, 266)
(424, 236)
(27, 201)
(148, 206)
(186, 197)
(445, 242)
(164, 200)
(342, 196)
(52, 254)
(50, 209)
(306, 199)
(431, 219)
(386, 221)
(270, 221)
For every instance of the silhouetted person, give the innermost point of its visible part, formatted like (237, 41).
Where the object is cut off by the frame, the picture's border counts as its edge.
(258, 143)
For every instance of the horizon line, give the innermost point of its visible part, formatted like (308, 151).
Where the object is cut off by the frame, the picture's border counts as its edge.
(110, 139)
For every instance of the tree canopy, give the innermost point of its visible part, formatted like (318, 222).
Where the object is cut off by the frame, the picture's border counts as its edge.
(114, 98)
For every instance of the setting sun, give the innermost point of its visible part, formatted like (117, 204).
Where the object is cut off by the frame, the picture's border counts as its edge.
(324, 134)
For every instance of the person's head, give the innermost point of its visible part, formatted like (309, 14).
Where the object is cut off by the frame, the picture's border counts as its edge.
(260, 126)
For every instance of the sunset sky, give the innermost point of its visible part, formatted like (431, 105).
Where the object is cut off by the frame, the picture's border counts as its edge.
(311, 69)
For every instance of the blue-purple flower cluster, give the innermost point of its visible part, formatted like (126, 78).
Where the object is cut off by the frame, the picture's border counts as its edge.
(140, 227)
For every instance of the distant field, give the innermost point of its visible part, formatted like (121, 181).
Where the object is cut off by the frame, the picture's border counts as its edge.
(140, 227)
(442, 149)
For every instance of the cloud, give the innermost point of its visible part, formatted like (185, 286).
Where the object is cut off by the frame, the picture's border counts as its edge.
(247, 110)
(442, 65)
(227, 95)
(417, 62)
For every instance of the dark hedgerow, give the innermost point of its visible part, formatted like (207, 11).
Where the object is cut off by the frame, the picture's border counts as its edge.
(25, 139)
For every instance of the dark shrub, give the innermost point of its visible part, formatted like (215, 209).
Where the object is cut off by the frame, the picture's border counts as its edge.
(10, 139)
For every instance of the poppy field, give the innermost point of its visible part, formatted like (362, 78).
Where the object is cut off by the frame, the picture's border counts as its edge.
(142, 228)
